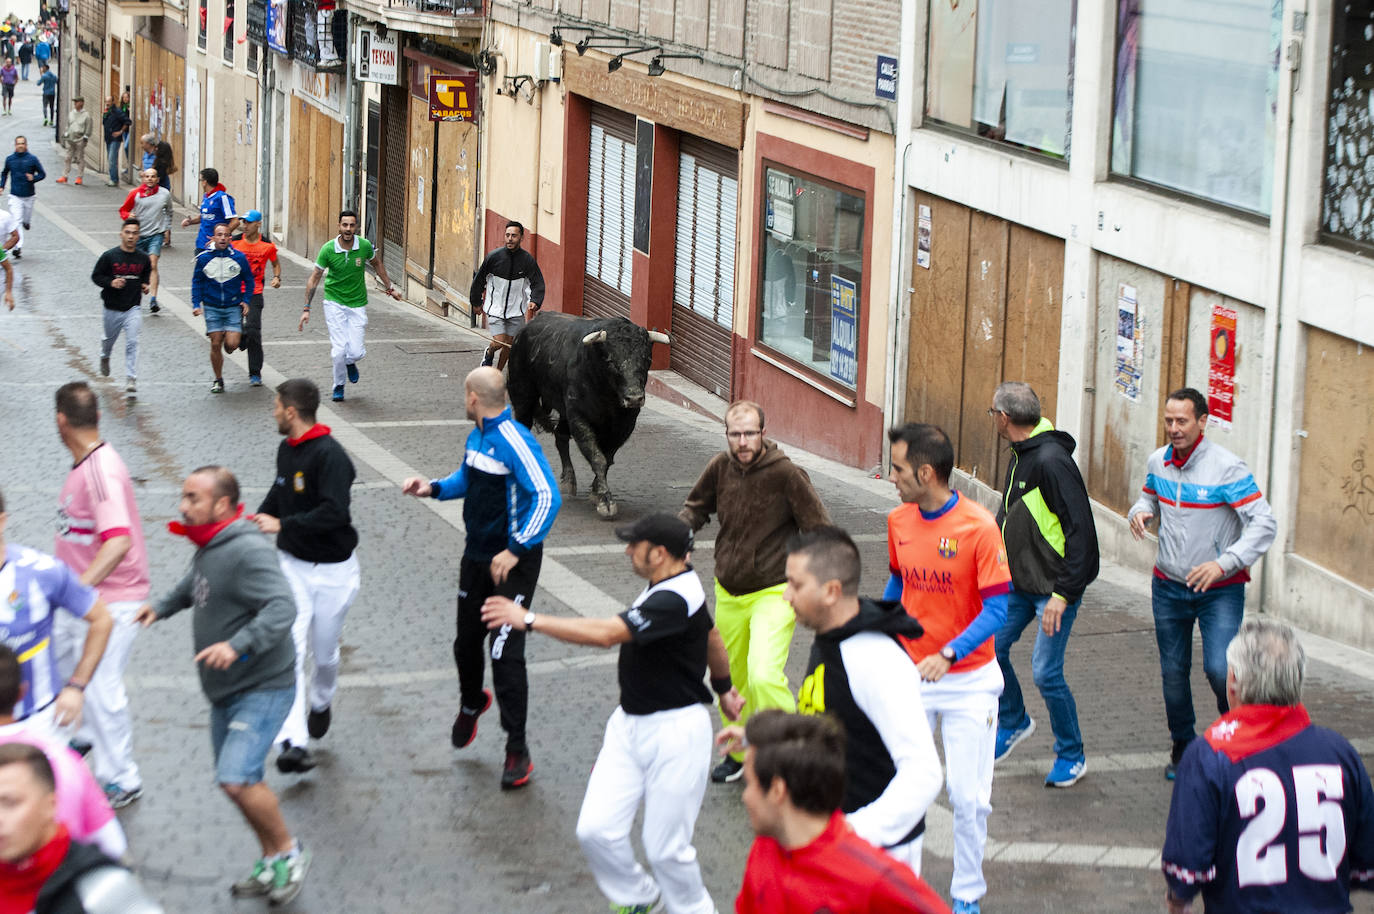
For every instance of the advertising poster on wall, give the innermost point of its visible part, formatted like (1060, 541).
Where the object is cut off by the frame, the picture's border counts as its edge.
(1221, 369)
(844, 325)
(1129, 343)
(923, 238)
(277, 26)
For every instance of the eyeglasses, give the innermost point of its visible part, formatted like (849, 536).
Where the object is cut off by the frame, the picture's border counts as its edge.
(743, 436)
(992, 411)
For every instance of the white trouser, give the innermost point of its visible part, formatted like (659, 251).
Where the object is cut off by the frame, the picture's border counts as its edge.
(662, 759)
(323, 591)
(105, 720)
(21, 208)
(909, 853)
(966, 705)
(130, 323)
(346, 326)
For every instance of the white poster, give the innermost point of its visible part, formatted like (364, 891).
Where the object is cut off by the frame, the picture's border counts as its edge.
(377, 59)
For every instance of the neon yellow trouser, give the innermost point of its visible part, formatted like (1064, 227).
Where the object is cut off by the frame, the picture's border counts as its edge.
(757, 631)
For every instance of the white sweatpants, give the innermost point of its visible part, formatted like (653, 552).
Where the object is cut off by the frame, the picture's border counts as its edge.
(346, 326)
(966, 705)
(662, 759)
(323, 591)
(21, 208)
(105, 720)
(130, 323)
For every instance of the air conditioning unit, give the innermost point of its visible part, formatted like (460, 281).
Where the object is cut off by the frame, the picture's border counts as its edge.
(548, 62)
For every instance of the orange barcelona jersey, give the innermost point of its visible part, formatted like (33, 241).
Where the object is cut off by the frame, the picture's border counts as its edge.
(948, 564)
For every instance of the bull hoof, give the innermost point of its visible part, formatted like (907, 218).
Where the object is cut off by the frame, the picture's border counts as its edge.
(607, 508)
(569, 484)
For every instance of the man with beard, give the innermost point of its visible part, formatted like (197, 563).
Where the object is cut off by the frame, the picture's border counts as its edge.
(761, 500)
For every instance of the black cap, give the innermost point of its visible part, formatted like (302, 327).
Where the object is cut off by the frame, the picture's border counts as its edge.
(666, 530)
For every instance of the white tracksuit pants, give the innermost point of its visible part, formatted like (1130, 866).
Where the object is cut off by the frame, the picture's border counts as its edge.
(323, 591)
(346, 326)
(966, 705)
(130, 323)
(662, 759)
(105, 720)
(21, 208)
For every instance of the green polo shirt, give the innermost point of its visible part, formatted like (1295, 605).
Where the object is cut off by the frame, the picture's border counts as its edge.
(345, 281)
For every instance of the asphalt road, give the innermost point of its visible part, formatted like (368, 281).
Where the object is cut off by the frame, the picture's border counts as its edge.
(397, 819)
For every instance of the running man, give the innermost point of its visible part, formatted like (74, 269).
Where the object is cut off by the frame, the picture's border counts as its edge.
(260, 252)
(216, 208)
(123, 274)
(151, 204)
(510, 499)
(37, 585)
(950, 571)
(22, 170)
(658, 741)
(100, 535)
(509, 288)
(241, 629)
(345, 297)
(222, 281)
(9, 75)
(761, 499)
(307, 508)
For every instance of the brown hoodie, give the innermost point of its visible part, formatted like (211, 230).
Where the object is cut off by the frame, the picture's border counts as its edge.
(759, 507)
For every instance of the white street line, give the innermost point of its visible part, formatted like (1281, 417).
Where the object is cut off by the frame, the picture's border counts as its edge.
(418, 423)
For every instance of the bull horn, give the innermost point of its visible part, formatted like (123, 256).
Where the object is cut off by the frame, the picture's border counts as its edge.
(657, 337)
(596, 336)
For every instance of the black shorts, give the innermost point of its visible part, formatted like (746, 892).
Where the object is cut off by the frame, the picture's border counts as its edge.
(9, 91)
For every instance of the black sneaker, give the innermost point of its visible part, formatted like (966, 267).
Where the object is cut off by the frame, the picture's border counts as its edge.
(1175, 756)
(295, 760)
(104, 366)
(488, 357)
(318, 722)
(728, 771)
(154, 307)
(465, 724)
(517, 771)
(17, 254)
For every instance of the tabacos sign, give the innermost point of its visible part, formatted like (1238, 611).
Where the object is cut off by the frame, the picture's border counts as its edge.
(452, 98)
(377, 59)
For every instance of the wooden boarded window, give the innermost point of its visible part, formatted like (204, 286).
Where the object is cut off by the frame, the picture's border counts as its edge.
(986, 310)
(1336, 473)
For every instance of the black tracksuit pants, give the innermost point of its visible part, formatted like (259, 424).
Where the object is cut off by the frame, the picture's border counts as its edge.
(507, 645)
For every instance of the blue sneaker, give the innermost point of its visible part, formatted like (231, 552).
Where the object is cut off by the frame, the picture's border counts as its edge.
(1066, 773)
(967, 907)
(338, 394)
(1008, 739)
(352, 373)
(255, 380)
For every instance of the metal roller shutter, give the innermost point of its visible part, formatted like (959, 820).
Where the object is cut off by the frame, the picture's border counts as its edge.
(704, 276)
(610, 214)
(395, 143)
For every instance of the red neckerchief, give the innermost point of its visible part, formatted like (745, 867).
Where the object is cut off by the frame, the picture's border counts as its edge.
(1176, 460)
(201, 534)
(23, 880)
(1253, 728)
(216, 188)
(143, 190)
(315, 431)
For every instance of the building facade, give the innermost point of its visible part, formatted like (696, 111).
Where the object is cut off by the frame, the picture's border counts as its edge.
(1112, 199)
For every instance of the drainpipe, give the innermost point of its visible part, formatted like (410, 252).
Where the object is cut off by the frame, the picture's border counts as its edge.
(267, 122)
(353, 106)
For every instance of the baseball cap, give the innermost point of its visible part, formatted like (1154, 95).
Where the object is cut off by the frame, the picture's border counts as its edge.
(252, 216)
(661, 529)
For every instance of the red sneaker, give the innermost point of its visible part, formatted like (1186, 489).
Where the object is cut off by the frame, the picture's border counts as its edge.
(517, 772)
(465, 724)
(62, 180)
(78, 181)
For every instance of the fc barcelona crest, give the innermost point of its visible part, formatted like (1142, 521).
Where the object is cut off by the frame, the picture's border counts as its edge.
(949, 547)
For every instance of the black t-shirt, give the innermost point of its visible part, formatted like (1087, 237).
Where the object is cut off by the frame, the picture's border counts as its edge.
(136, 268)
(663, 665)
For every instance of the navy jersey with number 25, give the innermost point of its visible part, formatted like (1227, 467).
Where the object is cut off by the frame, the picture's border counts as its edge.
(1270, 813)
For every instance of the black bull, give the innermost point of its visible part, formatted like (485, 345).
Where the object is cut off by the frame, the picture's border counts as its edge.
(591, 372)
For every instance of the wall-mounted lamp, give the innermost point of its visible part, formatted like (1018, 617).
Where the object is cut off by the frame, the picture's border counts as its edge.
(616, 62)
(656, 65)
(556, 36)
(601, 41)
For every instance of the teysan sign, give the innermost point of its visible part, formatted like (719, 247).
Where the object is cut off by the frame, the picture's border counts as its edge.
(378, 58)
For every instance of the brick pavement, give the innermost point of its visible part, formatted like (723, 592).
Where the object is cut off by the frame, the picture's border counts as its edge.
(399, 821)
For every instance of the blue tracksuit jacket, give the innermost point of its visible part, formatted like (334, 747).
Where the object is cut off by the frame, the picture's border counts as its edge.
(221, 279)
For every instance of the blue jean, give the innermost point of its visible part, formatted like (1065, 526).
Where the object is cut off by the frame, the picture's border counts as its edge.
(1218, 615)
(242, 728)
(112, 148)
(24, 70)
(1047, 669)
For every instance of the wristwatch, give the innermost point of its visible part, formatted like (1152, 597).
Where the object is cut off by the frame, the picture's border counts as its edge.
(529, 621)
(947, 652)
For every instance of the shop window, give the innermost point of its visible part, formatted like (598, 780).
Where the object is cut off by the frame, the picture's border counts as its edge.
(202, 30)
(1348, 188)
(812, 274)
(1196, 94)
(1003, 69)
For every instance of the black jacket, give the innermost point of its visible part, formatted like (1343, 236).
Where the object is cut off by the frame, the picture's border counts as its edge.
(114, 891)
(311, 497)
(1046, 519)
(868, 766)
(507, 281)
(136, 268)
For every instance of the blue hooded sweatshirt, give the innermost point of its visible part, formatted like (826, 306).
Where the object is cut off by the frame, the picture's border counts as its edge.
(16, 173)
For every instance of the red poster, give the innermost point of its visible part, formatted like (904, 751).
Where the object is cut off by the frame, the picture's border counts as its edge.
(1221, 375)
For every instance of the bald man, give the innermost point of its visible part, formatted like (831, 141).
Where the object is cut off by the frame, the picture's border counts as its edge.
(504, 471)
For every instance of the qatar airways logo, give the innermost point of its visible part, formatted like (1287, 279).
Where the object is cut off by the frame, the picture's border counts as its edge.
(929, 580)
